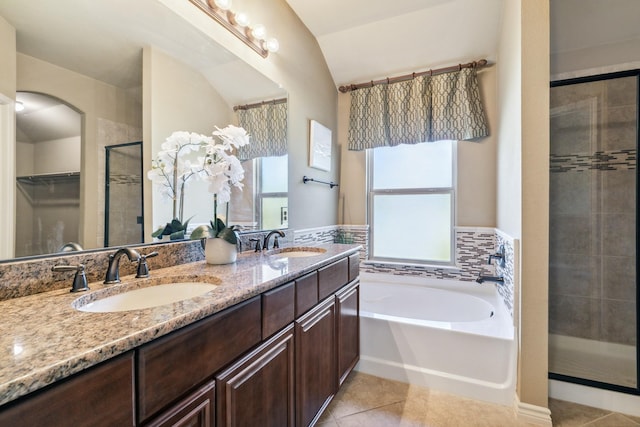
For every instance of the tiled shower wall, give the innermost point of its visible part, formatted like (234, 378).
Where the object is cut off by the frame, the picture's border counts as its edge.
(592, 245)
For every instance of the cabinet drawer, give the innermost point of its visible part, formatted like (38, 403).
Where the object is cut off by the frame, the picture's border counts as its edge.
(332, 277)
(277, 309)
(354, 266)
(172, 365)
(99, 396)
(306, 293)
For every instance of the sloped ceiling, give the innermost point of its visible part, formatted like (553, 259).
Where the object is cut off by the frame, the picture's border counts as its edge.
(371, 39)
(103, 39)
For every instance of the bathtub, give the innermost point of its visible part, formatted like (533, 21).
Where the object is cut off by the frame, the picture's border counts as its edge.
(452, 336)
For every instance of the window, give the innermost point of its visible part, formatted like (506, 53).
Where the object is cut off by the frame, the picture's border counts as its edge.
(411, 203)
(272, 198)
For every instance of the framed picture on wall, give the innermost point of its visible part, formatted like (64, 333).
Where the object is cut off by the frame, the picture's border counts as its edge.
(319, 146)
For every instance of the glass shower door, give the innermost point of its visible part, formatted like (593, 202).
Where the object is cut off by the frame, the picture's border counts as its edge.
(593, 326)
(123, 196)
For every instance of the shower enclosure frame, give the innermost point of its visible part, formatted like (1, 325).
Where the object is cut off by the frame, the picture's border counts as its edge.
(589, 382)
(107, 200)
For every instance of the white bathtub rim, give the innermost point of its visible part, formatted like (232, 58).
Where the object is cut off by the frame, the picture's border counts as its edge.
(500, 325)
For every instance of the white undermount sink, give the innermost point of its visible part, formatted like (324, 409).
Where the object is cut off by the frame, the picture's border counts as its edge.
(299, 252)
(152, 296)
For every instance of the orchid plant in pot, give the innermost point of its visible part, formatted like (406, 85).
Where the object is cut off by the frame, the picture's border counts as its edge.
(171, 170)
(222, 170)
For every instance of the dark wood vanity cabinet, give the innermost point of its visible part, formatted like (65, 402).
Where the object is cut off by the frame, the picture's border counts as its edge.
(98, 396)
(258, 390)
(276, 359)
(172, 365)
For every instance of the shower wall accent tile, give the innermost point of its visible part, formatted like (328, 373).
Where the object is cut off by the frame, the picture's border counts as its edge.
(600, 160)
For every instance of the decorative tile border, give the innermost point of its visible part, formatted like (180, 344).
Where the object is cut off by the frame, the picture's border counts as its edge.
(473, 247)
(600, 160)
(508, 271)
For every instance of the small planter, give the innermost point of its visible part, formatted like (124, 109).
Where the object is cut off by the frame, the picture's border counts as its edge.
(219, 251)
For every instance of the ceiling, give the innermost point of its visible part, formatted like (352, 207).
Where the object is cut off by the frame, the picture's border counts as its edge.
(366, 40)
(578, 24)
(371, 39)
(103, 39)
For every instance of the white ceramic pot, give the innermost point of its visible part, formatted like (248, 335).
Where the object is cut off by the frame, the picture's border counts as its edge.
(219, 251)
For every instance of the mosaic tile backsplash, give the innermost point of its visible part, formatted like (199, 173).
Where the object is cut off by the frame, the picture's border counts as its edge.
(473, 247)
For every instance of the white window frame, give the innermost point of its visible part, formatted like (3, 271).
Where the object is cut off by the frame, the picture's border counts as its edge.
(371, 193)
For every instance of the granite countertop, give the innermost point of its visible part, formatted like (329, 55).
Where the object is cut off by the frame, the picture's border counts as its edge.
(44, 338)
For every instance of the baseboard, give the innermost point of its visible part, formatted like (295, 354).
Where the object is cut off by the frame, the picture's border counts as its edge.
(532, 414)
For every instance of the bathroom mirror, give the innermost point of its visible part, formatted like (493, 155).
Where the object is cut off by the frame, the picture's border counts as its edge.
(90, 56)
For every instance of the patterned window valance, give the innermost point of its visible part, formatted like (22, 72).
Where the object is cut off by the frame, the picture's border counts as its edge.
(423, 109)
(267, 127)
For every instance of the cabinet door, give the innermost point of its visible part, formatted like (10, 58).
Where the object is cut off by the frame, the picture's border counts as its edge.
(348, 312)
(99, 396)
(196, 410)
(315, 361)
(171, 366)
(258, 390)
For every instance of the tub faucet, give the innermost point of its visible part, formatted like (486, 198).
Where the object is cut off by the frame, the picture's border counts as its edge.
(496, 279)
(265, 244)
(113, 270)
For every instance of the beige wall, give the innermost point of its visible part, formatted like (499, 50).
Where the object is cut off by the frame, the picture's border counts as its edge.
(523, 179)
(7, 133)
(95, 100)
(8, 56)
(476, 164)
(300, 68)
(177, 98)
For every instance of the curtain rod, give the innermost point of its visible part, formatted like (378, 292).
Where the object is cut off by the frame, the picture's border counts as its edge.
(259, 104)
(475, 64)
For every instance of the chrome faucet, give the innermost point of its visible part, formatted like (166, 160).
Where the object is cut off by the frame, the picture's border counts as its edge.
(113, 270)
(265, 244)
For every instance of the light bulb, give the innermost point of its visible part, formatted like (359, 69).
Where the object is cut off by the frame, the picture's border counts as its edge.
(19, 106)
(259, 32)
(223, 4)
(272, 45)
(241, 19)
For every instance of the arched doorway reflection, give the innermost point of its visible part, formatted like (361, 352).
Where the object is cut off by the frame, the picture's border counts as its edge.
(48, 166)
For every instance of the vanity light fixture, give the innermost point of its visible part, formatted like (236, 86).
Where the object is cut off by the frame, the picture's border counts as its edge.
(238, 24)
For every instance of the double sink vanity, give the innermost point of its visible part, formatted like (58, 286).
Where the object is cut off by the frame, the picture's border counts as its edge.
(265, 341)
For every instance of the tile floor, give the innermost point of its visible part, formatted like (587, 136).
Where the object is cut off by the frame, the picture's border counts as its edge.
(365, 400)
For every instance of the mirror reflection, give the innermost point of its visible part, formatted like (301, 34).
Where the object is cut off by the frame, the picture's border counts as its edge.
(89, 64)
